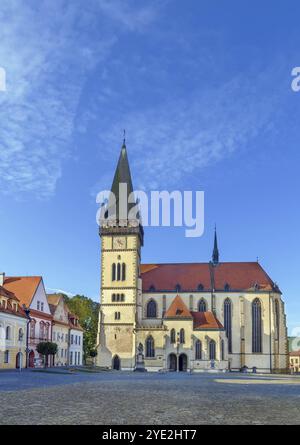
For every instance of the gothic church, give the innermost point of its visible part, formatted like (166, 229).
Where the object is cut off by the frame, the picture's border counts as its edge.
(187, 316)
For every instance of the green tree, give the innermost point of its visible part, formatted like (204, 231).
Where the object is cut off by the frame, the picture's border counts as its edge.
(87, 311)
(46, 348)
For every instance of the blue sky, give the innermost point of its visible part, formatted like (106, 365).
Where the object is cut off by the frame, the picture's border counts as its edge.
(204, 92)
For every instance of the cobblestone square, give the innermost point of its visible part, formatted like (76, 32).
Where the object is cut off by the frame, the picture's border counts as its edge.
(148, 398)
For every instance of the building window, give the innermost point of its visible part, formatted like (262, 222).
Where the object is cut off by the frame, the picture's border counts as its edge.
(42, 330)
(228, 322)
(42, 306)
(38, 305)
(72, 339)
(20, 336)
(202, 305)
(118, 272)
(7, 333)
(212, 350)
(191, 302)
(173, 336)
(198, 350)
(78, 358)
(113, 272)
(277, 319)
(6, 357)
(47, 330)
(123, 271)
(79, 339)
(150, 351)
(182, 336)
(256, 326)
(32, 329)
(226, 287)
(200, 287)
(117, 315)
(178, 287)
(164, 304)
(71, 358)
(151, 310)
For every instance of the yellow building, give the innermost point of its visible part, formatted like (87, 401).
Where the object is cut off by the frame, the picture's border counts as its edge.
(13, 325)
(187, 317)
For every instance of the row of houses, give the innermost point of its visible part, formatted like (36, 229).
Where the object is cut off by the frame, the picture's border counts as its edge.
(29, 316)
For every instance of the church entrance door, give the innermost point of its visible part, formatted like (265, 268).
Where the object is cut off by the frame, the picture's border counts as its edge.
(172, 362)
(183, 362)
(116, 363)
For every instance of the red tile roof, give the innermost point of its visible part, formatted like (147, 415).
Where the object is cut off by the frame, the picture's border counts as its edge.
(294, 353)
(23, 287)
(206, 320)
(239, 276)
(178, 309)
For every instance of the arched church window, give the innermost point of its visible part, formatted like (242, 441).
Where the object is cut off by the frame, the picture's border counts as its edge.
(256, 326)
(212, 350)
(182, 336)
(113, 272)
(277, 319)
(118, 272)
(151, 309)
(202, 305)
(228, 322)
(150, 351)
(198, 350)
(222, 350)
(123, 271)
(173, 336)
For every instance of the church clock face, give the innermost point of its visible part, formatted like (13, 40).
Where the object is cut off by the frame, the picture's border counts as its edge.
(119, 242)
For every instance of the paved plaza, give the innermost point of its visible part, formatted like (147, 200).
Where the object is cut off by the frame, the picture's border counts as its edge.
(114, 397)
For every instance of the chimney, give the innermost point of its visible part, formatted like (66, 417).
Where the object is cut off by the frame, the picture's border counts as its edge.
(2, 278)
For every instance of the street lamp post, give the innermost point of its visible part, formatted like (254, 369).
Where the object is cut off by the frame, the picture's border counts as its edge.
(27, 313)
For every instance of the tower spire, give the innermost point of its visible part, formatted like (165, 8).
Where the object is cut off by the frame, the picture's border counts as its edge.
(215, 255)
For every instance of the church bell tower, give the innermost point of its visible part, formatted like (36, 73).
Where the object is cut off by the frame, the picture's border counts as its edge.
(121, 242)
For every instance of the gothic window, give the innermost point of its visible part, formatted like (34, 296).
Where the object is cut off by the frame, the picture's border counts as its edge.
(228, 322)
(212, 350)
(113, 272)
(173, 336)
(202, 305)
(123, 271)
(182, 336)
(118, 272)
(198, 350)
(222, 350)
(191, 302)
(200, 287)
(151, 309)
(150, 351)
(256, 326)
(8, 333)
(277, 319)
(164, 303)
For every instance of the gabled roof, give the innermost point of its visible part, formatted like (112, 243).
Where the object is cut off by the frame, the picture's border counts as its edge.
(54, 299)
(206, 320)
(23, 287)
(6, 293)
(177, 309)
(239, 276)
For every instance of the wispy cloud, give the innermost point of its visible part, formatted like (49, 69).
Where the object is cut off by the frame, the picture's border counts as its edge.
(48, 51)
(50, 290)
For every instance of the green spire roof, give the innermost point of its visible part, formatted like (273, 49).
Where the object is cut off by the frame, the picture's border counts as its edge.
(122, 175)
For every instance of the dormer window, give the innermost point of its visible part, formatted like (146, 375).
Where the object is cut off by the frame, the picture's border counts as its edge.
(178, 288)
(152, 288)
(226, 287)
(200, 287)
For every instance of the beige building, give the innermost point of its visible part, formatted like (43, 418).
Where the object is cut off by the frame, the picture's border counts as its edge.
(294, 361)
(60, 328)
(185, 317)
(13, 324)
